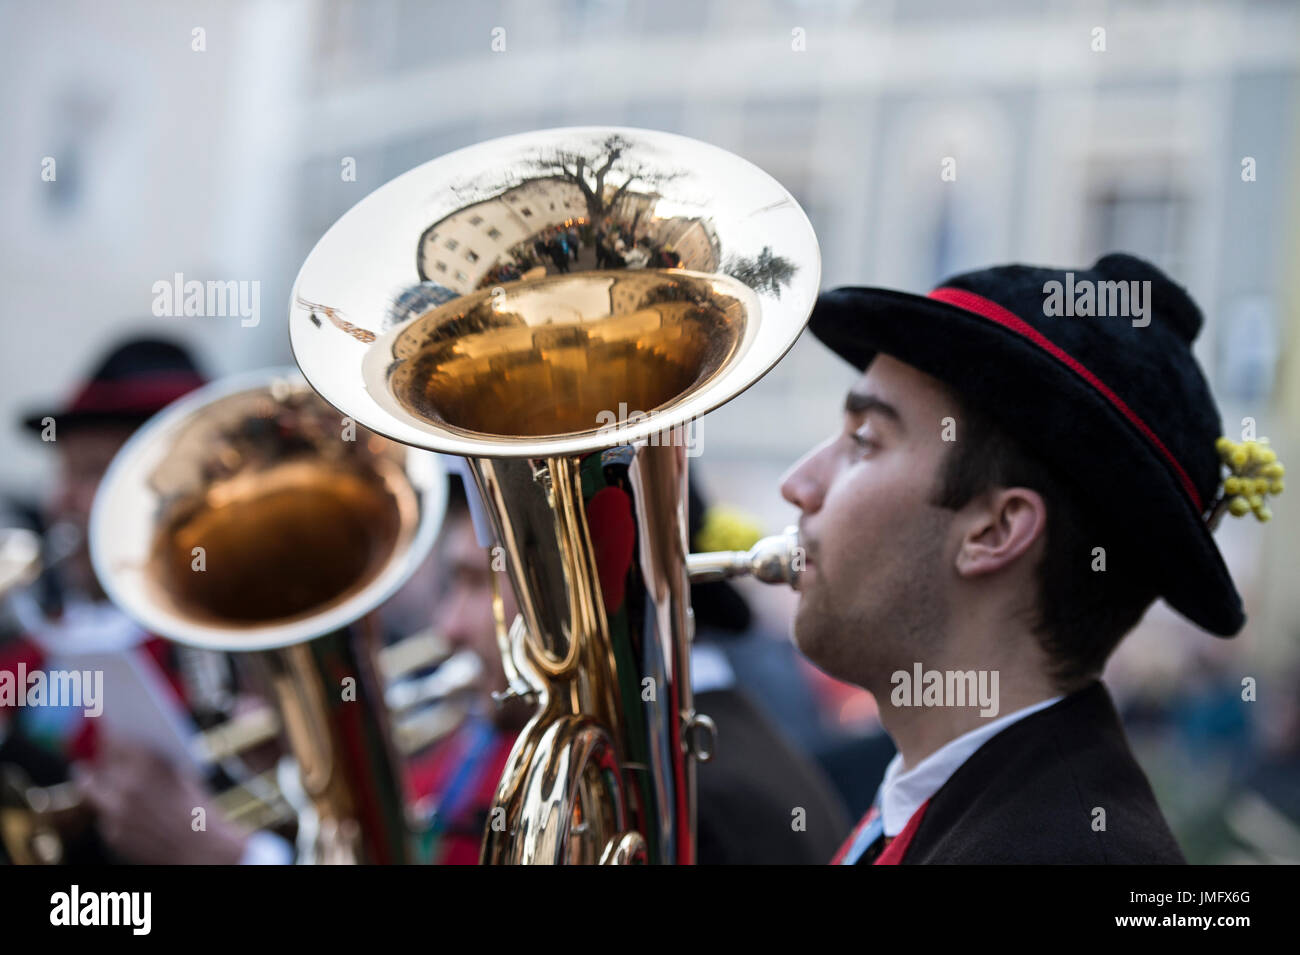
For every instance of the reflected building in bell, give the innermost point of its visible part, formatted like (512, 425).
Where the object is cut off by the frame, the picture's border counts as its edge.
(458, 251)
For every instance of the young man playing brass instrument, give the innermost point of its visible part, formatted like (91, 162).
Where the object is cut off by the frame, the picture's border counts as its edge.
(1012, 486)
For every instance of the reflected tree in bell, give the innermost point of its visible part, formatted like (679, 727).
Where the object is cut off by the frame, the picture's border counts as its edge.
(609, 162)
(764, 272)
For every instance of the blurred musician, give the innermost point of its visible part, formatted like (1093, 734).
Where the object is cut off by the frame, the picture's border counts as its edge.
(144, 803)
(457, 777)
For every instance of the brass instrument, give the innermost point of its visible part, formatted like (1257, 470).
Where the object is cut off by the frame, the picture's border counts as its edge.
(250, 517)
(426, 707)
(426, 312)
(31, 817)
(36, 822)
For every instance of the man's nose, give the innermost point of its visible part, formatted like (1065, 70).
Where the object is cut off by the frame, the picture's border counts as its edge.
(804, 485)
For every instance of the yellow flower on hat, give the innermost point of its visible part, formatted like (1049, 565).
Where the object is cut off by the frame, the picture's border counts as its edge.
(1254, 473)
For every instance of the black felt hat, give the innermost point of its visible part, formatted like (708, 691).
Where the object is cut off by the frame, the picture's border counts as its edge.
(137, 379)
(1063, 361)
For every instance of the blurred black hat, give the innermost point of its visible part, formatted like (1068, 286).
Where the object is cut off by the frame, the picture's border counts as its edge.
(138, 378)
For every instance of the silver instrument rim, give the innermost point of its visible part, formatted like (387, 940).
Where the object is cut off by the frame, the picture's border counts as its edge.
(753, 204)
(122, 505)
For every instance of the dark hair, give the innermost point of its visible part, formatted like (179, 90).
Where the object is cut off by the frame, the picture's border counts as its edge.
(1081, 614)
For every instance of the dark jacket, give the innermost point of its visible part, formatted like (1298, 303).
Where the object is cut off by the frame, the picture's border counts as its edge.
(1030, 795)
(748, 793)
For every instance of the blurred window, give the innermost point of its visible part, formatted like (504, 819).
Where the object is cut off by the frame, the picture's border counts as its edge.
(1142, 215)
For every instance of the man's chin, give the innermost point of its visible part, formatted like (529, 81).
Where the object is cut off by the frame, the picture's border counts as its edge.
(834, 646)
(814, 635)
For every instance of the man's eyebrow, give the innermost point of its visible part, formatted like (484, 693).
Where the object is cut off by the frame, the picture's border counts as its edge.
(859, 402)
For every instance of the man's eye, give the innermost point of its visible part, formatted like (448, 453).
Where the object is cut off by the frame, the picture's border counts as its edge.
(863, 442)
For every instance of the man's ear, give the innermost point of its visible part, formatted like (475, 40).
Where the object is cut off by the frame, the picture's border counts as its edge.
(1000, 529)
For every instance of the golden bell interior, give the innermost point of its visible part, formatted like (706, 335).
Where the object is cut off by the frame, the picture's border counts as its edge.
(567, 354)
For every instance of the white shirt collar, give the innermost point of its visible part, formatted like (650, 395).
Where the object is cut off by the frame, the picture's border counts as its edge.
(903, 793)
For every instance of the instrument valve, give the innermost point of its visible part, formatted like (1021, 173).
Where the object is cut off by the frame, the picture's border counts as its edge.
(515, 691)
(699, 736)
